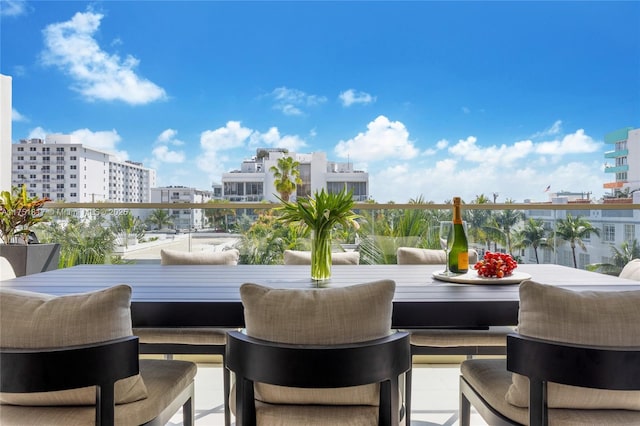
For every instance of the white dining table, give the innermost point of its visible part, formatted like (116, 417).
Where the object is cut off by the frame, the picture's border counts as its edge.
(208, 296)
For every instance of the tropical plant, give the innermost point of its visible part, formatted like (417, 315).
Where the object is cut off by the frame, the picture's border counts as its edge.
(478, 222)
(83, 241)
(573, 230)
(320, 214)
(532, 235)
(19, 213)
(286, 176)
(506, 220)
(159, 218)
(218, 217)
(126, 225)
(627, 252)
(263, 240)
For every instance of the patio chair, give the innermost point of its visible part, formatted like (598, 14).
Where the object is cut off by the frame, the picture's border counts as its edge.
(574, 361)
(298, 257)
(6, 270)
(72, 360)
(631, 270)
(318, 357)
(450, 341)
(207, 341)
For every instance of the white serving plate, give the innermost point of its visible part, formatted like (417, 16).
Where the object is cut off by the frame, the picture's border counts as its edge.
(472, 277)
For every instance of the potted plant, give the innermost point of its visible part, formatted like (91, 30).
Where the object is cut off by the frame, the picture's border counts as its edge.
(318, 215)
(18, 214)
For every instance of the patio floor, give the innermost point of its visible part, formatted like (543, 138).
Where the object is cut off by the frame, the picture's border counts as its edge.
(435, 396)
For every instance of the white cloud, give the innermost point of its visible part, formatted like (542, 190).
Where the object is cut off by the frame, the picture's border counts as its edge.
(574, 143)
(38, 133)
(96, 74)
(555, 129)
(13, 7)
(273, 138)
(161, 152)
(102, 140)
(383, 139)
(233, 135)
(350, 97)
(468, 150)
(292, 101)
(17, 117)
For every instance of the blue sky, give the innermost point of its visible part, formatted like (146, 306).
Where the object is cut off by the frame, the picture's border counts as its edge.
(433, 99)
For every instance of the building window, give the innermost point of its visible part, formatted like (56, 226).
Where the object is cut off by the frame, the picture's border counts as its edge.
(60, 186)
(33, 148)
(20, 149)
(20, 158)
(33, 167)
(629, 232)
(73, 148)
(20, 167)
(32, 158)
(59, 149)
(608, 233)
(32, 176)
(73, 157)
(74, 167)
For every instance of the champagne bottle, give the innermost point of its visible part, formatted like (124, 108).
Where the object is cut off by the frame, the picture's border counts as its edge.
(459, 253)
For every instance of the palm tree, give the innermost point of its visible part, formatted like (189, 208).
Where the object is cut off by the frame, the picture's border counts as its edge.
(159, 218)
(506, 220)
(219, 217)
(533, 234)
(287, 176)
(574, 230)
(126, 224)
(478, 221)
(628, 252)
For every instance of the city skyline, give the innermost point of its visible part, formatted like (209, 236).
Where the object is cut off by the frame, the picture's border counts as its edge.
(433, 99)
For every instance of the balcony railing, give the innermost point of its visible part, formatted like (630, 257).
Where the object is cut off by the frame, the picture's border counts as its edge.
(139, 230)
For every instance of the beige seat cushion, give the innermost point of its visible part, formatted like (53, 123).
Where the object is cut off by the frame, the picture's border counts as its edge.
(296, 257)
(631, 270)
(318, 316)
(446, 338)
(420, 256)
(490, 378)
(176, 257)
(164, 379)
(182, 336)
(590, 318)
(35, 320)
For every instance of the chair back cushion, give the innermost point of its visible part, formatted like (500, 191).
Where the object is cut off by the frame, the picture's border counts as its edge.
(631, 270)
(35, 320)
(297, 257)
(420, 256)
(176, 257)
(588, 318)
(318, 316)
(6, 270)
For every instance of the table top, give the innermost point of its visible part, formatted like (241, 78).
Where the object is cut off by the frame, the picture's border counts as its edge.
(203, 295)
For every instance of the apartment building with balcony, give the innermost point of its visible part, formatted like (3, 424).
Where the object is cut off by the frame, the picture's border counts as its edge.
(255, 182)
(623, 161)
(61, 168)
(183, 219)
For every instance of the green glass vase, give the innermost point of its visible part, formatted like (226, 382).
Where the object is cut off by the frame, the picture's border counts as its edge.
(321, 256)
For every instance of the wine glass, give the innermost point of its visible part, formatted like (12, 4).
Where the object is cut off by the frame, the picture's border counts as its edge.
(446, 229)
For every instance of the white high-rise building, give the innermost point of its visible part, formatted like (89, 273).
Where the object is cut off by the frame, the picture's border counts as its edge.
(183, 219)
(63, 169)
(255, 182)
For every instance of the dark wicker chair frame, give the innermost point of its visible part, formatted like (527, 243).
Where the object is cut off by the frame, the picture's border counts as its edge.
(53, 369)
(314, 366)
(545, 361)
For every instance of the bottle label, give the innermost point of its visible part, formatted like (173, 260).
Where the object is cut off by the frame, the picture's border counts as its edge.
(463, 260)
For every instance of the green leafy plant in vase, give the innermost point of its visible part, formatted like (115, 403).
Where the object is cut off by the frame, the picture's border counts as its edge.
(318, 215)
